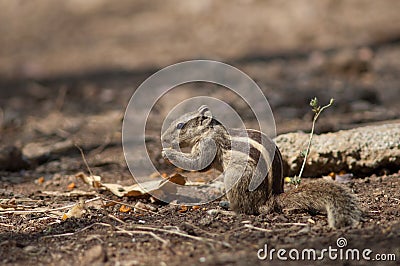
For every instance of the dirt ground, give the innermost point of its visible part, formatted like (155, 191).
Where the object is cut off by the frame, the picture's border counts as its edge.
(61, 84)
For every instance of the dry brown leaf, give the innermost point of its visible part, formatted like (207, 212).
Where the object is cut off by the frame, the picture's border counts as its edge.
(40, 180)
(183, 209)
(92, 180)
(156, 187)
(125, 208)
(177, 179)
(77, 211)
(71, 186)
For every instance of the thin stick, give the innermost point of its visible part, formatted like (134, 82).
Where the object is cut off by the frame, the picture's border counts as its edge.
(299, 224)
(131, 233)
(6, 225)
(84, 160)
(46, 210)
(202, 239)
(120, 230)
(263, 229)
(22, 200)
(90, 226)
(116, 219)
(258, 228)
(79, 231)
(66, 234)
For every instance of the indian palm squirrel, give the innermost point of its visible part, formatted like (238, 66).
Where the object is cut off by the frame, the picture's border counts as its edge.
(245, 154)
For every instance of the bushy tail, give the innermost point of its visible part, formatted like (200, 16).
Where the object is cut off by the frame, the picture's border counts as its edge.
(337, 201)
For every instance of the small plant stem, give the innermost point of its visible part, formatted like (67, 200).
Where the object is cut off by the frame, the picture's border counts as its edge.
(297, 179)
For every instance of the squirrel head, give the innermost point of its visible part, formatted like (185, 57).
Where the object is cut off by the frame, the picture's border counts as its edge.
(189, 128)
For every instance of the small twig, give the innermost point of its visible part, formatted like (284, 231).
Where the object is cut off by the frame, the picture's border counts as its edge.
(131, 233)
(94, 199)
(22, 200)
(84, 160)
(46, 210)
(286, 224)
(120, 231)
(6, 225)
(116, 219)
(90, 226)
(79, 231)
(51, 236)
(258, 228)
(202, 239)
(265, 230)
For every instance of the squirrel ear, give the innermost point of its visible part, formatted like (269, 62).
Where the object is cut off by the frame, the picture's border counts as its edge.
(204, 111)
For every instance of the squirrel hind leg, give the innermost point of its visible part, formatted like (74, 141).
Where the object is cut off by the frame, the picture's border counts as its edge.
(243, 205)
(271, 206)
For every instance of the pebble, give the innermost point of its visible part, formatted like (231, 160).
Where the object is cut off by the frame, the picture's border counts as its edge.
(213, 212)
(224, 205)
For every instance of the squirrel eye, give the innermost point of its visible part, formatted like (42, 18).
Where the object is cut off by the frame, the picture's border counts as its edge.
(180, 125)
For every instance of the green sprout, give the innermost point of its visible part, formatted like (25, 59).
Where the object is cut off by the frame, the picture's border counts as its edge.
(317, 109)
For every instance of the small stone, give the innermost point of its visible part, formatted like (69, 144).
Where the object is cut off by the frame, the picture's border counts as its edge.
(213, 212)
(30, 249)
(224, 205)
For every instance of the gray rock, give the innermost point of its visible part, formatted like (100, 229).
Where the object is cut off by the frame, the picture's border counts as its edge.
(360, 150)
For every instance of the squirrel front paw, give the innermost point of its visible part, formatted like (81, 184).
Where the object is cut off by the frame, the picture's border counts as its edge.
(166, 151)
(164, 154)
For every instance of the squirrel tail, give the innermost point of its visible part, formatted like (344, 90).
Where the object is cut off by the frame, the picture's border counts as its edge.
(337, 201)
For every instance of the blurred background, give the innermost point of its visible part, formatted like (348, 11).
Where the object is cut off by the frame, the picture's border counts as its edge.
(87, 57)
(68, 69)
